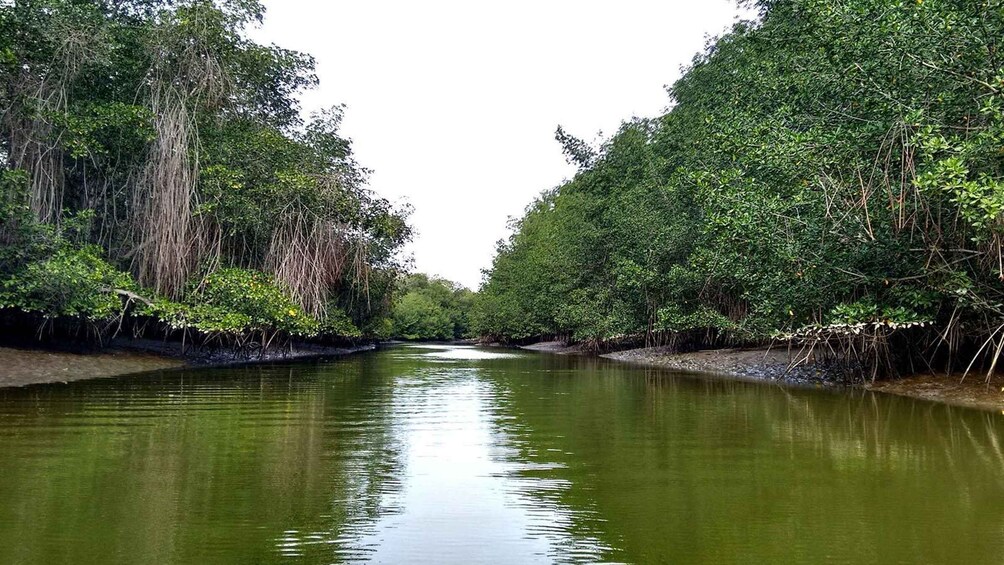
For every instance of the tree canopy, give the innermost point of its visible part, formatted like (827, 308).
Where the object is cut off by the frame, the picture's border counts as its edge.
(431, 309)
(152, 149)
(832, 168)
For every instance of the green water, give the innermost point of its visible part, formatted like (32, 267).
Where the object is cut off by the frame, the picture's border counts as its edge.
(460, 455)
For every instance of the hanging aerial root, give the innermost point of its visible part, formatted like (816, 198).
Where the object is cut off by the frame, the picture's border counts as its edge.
(167, 239)
(308, 256)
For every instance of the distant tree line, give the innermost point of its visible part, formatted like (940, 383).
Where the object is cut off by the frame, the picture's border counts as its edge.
(830, 173)
(431, 309)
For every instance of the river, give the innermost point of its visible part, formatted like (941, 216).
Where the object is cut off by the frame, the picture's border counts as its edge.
(426, 454)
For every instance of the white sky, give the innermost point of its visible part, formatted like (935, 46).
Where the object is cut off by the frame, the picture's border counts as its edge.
(453, 103)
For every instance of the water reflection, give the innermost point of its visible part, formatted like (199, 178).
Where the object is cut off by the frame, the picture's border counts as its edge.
(696, 470)
(464, 455)
(464, 497)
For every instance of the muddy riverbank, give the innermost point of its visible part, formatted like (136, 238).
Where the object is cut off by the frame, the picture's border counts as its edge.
(753, 364)
(973, 391)
(748, 364)
(774, 365)
(23, 366)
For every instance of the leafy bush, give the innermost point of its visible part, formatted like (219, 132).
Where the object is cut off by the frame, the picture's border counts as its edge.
(337, 323)
(73, 283)
(49, 269)
(237, 301)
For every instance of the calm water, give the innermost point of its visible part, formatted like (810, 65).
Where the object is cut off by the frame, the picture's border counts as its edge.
(460, 455)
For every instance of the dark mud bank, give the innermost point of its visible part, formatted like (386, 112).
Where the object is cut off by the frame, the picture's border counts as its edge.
(22, 365)
(774, 365)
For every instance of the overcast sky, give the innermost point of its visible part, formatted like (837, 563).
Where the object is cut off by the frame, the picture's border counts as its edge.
(453, 103)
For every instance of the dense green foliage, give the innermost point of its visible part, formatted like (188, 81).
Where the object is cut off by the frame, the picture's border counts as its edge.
(431, 309)
(833, 168)
(153, 161)
(238, 300)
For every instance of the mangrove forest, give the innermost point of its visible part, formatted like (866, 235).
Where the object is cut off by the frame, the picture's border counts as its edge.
(828, 174)
(760, 324)
(158, 178)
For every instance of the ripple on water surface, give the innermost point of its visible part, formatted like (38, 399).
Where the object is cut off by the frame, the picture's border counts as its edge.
(442, 454)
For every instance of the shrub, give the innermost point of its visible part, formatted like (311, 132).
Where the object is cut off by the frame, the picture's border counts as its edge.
(72, 283)
(236, 300)
(337, 323)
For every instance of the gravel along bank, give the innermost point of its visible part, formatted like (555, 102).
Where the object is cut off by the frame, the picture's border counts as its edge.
(773, 365)
(754, 364)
